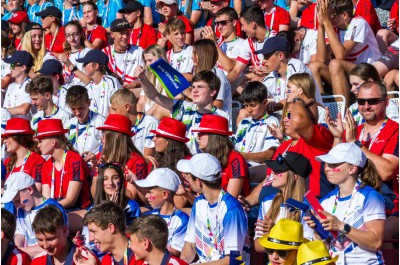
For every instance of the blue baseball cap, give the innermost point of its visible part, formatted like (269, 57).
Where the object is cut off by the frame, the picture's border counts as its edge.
(94, 56)
(50, 67)
(20, 57)
(274, 44)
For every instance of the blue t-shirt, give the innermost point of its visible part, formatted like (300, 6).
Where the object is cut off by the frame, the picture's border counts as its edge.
(152, 4)
(108, 13)
(195, 6)
(71, 14)
(36, 8)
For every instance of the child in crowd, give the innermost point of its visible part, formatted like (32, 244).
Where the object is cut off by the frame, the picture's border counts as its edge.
(10, 254)
(148, 238)
(82, 129)
(40, 89)
(253, 139)
(161, 185)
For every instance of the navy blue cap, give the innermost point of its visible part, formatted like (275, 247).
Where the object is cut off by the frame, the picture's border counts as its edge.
(118, 24)
(50, 11)
(94, 56)
(50, 67)
(132, 6)
(275, 44)
(21, 57)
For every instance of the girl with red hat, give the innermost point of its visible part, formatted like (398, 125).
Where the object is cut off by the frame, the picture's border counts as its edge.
(65, 174)
(214, 129)
(25, 157)
(18, 22)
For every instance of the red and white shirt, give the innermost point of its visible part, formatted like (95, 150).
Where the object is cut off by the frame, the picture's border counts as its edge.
(33, 166)
(247, 52)
(15, 256)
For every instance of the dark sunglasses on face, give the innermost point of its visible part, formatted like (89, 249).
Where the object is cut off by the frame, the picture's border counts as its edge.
(13, 65)
(281, 253)
(222, 22)
(288, 115)
(371, 101)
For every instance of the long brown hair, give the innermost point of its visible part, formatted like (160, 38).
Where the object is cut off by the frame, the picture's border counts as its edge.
(207, 55)
(369, 176)
(175, 151)
(77, 24)
(219, 146)
(25, 141)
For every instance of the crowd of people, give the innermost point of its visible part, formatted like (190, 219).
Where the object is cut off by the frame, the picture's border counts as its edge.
(101, 165)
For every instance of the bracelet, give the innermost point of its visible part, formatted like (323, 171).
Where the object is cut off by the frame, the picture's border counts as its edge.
(74, 69)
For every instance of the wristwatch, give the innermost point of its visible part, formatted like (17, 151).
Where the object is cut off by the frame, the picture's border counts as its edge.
(346, 229)
(74, 69)
(358, 143)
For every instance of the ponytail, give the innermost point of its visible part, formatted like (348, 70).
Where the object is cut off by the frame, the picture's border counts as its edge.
(105, 70)
(369, 176)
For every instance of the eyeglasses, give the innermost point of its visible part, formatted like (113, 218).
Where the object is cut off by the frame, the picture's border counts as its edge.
(371, 101)
(13, 65)
(222, 22)
(72, 35)
(113, 164)
(281, 253)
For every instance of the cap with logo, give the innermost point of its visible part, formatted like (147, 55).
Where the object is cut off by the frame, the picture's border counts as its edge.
(119, 24)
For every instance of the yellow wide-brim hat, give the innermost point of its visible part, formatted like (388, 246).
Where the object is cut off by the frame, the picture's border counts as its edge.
(314, 252)
(285, 235)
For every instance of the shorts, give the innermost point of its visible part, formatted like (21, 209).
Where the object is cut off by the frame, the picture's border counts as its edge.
(390, 58)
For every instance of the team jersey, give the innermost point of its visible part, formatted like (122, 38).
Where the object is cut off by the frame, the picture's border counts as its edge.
(55, 43)
(16, 96)
(49, 260)
(217, 229)
(187, 113)
(247, 52)
(308, 46)
(363, 205)
(225, 91)
(392, 112)
(108, 11)
(278, 16)
(181, 61)
(74, 169)
(172, 260)
(366, 49)
(32, 165)
(85, 137)
(73, 14)
(309, 17)
(14, 256)
(143, 36)
(365, 9)
(100, 94)
(124, 64)
(132, 211)
(109, 259)
(253, 136)
(177, 225)
(236, 169)
(25, 219)
(231, 49)
(70, 77)
(37, 8)
(57, 113)
(98, 32)
(143, 138)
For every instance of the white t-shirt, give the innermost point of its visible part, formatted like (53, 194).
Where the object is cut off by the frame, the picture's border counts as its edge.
(177, 225)
(61, 99)
(367, 49)
(58, 114)
(365, 205)
(308, 46)
(5, 70)
(225, 91)
(16, 96)
(181, 61)
(248, 49)
(69, 77)
(143, 138)
(101, 93)
(228, 224)
(89, 138)
(124, 64)
(231, 49)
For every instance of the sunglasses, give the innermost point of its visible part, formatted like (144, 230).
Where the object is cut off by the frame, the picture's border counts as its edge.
(371, 101)
(113, 164)
(288, 115)
(222, 22)
(13, 65)
(281, 253)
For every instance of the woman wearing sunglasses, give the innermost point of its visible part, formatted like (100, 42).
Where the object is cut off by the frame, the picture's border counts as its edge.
(96, 35)
(354, 209)
(288, 175)
(358, 75)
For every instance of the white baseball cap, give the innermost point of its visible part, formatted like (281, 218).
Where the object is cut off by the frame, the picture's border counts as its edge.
(168, 2)
(203, 166)
(161, 177)
(344, 152)
(16, 182)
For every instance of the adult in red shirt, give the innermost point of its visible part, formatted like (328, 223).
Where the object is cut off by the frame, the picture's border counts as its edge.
(96, 35)
(276, 18)
(213, 139)
(365, 9)
(51, 21)
(18, 139)
(65, 174)
(142, 34)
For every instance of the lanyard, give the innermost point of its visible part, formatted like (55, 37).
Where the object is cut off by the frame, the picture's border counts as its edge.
(355, 8)
(138, 36)
(124, 61)
(102, 95)
(214, 236)
(254, 136)
(10, 105)
(125, 258)
(53, 177)
(28, 154)
(91, 32)
(269, 29)
(360, 138)
(54, 38)
(355, 189)
(170, 236)
(71, 15)
(278, 87)
(86, 132)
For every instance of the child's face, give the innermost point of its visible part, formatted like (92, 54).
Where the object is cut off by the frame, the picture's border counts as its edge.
(118, 109)
(81, 111)
(89, 69)
(24, 200)
(111, 181)
(177, 38)
(202, 140)
(256, 109)
(101, 238)
(40, 101)
(201, 93)
(168, 11)
(292, 91)
(149, 58)
(17, 70)
(53, 243)
(160, 144)
(156, 197)
(138, 247)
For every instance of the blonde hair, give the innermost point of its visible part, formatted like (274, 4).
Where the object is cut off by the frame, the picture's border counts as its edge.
(124, 96)
(38, 56)
(158, 52)
(306, 82)
(295, 189)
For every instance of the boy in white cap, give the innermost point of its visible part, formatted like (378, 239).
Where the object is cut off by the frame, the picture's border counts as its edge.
(161, 185)
(218, 223)
(20, 189)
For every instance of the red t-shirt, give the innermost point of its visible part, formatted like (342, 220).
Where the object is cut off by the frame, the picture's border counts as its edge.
(108, 259)
(49, 260)
(98, 32)
(309, 18)
(280, 17)
(15, 256)
(147, 36)
(189, 29)
(58, 46)
(75, 169)
(172, 261)
(17, 44)
(236, 168)
(211, 23)
(33, 166)
(365, 9)
(394, 13)
(320, 144)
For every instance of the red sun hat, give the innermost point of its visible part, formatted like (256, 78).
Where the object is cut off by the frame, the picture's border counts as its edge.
(211, 123)
(18, 17)
(117, 123)
(171, 129)
(50, 127)
(17, 126)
